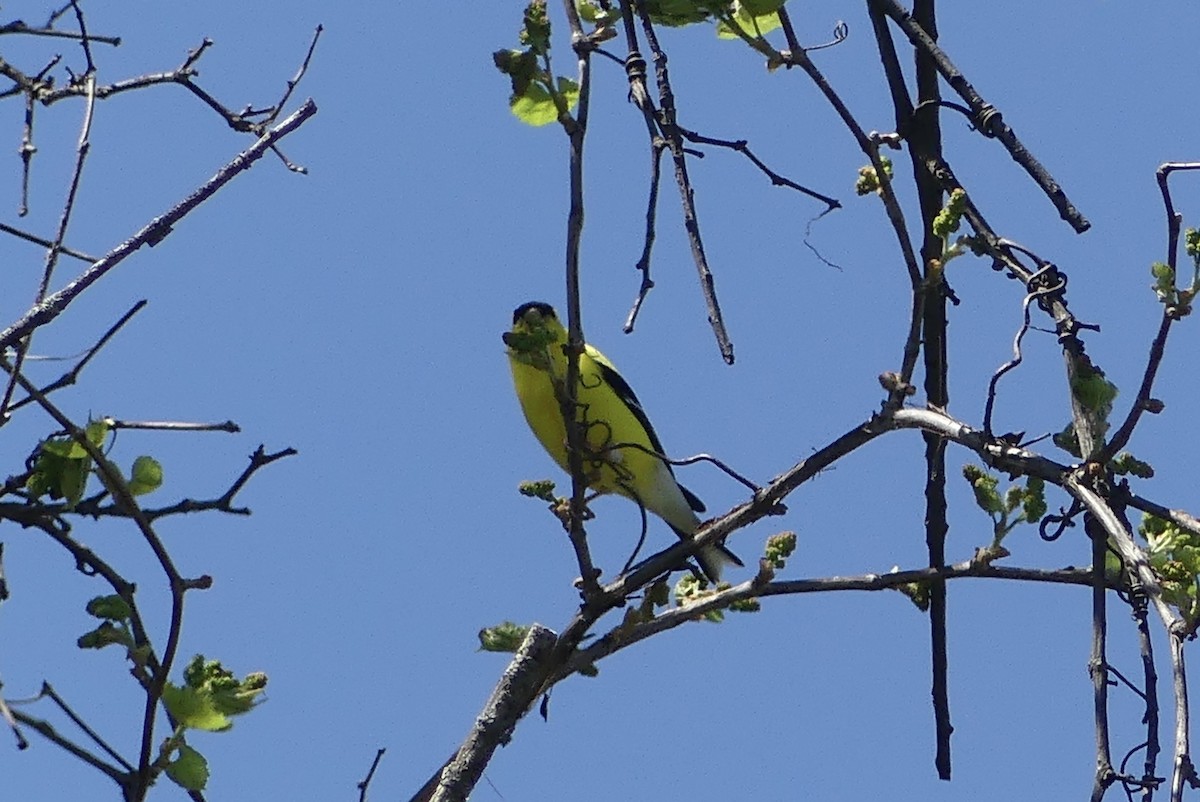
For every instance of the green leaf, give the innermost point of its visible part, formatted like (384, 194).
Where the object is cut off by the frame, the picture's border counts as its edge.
(147, 475)
(210, 694)
(506, 637)
(917, 592)
(193, 708)
(984, 486)
(540, 489)
(1191, 242)
(57, 474)
(536, 106)
(189, 769)
(868, 177)
(1093, 391)
(676, 13)
(535, 33)
(753, 25)
(949, 218)
(111, 608)
(779, 547)
(73, 478)
(1012, 497)
(1164, 282)
(569, 90)
(107, 634)
(1126, 464)
(96, 432)
(760, 8)
(588, 11)
(1034, 505)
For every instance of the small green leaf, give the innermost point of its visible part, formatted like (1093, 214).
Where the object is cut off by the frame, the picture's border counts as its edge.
(917, 592)
(57, 474)
(676, 13)
(752, 25)
(1012, 498)
(210, 694)
(779, 547)
(95, 432)
(759, 8)
(506, 637)
(189, 769)
(540, 489)
(746, 606)
(107, 634)
(1127, 464)
(984, 486)
(535, 33)
(1034, 504)
(949, 218)
(588, 11)
(73, 480)
(536, 105)
(193, 708)
(570, 92)
(1191, 242)
(1164, 282)
(112, 608)
(147, 475)
(1067, 440)
(1093, 391)
(868, 177)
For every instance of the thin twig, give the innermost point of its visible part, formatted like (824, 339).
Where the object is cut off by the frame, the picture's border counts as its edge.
(1033, 293)
(116, 485)
(81, 153)
(49, 691)
(623, 637)
(635, 72)
(1182, 770)
(988, 120)
(295, 80)
(667, 122)
(173, 426)
(45, 243)
(153, 232)
(1158, 347)
(70, 377)
(48, 732)
(365, 783)
(576, 130)
(1150, 695)
(1098, 663)
(742, 146)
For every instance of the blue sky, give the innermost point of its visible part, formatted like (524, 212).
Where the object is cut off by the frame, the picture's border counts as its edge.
(355, 313)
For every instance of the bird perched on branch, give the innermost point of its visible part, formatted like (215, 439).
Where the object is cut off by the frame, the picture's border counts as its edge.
(620, 449)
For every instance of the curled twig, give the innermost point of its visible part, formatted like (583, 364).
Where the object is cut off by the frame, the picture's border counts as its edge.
(1034, 292)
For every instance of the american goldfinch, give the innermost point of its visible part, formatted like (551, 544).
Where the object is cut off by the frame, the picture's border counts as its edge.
(611, 416)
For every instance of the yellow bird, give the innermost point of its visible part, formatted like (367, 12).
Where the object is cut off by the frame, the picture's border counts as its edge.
(611, 416)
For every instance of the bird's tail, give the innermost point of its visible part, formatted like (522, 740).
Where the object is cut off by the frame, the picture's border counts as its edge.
(714, 558)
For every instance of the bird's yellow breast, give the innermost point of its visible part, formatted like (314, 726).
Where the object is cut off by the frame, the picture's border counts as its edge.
(606, 418)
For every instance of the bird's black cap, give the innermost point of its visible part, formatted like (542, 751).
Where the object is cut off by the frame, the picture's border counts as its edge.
(545, 309)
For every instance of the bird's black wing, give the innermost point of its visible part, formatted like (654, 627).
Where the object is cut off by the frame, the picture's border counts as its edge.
(630, 399)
